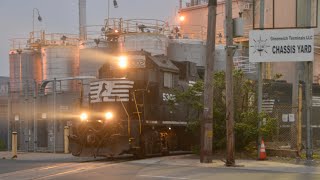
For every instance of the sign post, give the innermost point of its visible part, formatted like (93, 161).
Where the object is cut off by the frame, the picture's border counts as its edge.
(286, 45)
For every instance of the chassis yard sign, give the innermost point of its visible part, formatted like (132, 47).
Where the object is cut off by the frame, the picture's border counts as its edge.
(281, 45)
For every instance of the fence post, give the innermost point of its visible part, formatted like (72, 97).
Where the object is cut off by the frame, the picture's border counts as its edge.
(66, 139)
(299, 124)
(14, 144)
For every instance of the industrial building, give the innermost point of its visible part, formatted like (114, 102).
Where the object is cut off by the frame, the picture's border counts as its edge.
(50, 72)
(3, 112)
(42, 56)
(282, 14)
(246, 15)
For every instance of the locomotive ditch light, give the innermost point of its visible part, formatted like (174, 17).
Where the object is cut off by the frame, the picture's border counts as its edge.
(83, 116)
(123, 61)
(109, 115)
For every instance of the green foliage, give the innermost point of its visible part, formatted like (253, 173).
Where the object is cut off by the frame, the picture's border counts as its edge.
(246, 116)
(2, 145)
(191, 96)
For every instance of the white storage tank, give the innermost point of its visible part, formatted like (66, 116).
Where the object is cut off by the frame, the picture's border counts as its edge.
(25, 69)
(60, 61)
(192, 50)
(93, 56)
(154, 43)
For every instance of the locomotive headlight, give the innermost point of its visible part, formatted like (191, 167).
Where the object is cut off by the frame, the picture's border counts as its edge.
(83, 116)
(123, 61)
(182, 18)
(109, 115)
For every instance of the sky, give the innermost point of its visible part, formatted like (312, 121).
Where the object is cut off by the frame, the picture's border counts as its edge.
(62, 16)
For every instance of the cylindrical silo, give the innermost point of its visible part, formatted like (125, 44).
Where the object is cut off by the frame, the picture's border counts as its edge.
(25, 68)
(93, 56)
(60, 62)
(192, 50)
(153, 43)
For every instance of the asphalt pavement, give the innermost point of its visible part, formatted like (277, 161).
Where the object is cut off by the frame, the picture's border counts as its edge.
(64, 166)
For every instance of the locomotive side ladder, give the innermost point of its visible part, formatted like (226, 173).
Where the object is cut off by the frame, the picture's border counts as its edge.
(138, 96)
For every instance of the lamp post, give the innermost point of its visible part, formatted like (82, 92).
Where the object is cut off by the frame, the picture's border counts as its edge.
(39, 19)
(34, 115)
(19, 51)
(115, 5)
(54, 113)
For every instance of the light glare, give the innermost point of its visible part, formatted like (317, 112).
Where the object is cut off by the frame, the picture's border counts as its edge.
(109, 115)
(181, 18)
(123, 60)
(84, 116)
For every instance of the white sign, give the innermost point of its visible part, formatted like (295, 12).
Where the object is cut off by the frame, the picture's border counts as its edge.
(44, 115)
(281, 45)
(110, 91)
(16, 117)
(291, 118)
(64, 108)
(285, 117)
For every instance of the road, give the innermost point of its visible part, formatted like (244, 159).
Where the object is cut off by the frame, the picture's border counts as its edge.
(155, 169)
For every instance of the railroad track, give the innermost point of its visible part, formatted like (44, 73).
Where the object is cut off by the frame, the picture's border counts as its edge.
(131, 157)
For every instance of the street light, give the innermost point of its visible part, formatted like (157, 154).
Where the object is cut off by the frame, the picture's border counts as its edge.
(115, 5)
(19, 51)
(39, 19)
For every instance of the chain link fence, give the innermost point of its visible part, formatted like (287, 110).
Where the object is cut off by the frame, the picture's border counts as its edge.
(290, 136)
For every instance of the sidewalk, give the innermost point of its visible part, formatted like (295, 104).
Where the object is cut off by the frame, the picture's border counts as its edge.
(272, 166)
(36, 156)
(180, 160)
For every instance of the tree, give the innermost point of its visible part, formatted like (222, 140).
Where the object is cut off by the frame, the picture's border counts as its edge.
(246, 114)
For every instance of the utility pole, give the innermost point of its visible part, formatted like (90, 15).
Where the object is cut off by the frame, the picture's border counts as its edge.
(207, 121)
(296, 88)
(230, 161)
(260, 76)
(26, 115)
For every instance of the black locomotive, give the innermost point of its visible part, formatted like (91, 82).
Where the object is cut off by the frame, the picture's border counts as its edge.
(132, 108)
